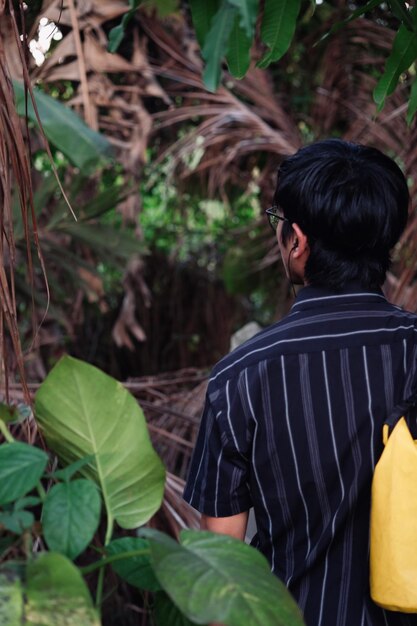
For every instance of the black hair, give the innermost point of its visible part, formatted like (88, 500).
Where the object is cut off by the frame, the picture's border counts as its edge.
(351, 201)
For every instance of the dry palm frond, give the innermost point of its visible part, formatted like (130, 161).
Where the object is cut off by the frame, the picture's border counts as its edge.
(14, 173)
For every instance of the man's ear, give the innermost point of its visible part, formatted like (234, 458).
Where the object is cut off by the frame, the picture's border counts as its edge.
(300, 242)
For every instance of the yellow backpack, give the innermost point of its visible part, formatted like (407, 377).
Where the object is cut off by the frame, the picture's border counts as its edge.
(393, 533)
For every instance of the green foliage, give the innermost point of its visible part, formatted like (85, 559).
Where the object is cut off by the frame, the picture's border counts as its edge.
(50, 592)
(64, 129)
(137, 570)
(238, 56)
(21, 467)
(216, 44)
(70, 517)
(205, 577)
(403, 54)
(217, 578)
(82, 411)
(56, 594)
(278, 27)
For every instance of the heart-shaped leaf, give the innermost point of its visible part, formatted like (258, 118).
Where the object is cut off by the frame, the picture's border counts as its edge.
(70, 516)
(81, 411)
(21, 467)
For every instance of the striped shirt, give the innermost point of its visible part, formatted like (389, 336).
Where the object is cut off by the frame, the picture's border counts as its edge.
(292, 426)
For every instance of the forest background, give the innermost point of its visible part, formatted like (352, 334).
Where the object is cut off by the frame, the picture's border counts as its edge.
(155, 248)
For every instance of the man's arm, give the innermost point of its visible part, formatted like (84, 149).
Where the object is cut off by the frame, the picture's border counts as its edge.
(234, 525)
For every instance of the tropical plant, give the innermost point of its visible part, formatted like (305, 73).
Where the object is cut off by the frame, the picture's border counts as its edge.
(231, 30)
(98, 432)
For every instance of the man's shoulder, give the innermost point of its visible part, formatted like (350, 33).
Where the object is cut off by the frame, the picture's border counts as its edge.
(265, 344)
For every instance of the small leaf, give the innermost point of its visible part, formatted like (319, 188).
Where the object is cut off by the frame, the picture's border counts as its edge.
(70, 517)
(17, 522)
(166, 613)
(56, 594)
(115, 38)
(202, 13)
(14, 413)
(217, 44)
(29, 501)
(403, 53)
(117, 32)
(136, 570)
(248, 11)
(412, 103)
(21, 467)
(68, 472)
(238, 57)
(278, 27)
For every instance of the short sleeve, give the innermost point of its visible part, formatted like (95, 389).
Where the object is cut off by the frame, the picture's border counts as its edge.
(218, 478)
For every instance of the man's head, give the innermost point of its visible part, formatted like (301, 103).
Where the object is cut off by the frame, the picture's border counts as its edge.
(350, 203)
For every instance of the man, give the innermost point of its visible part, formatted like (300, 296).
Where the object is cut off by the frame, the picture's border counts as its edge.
(293, 418)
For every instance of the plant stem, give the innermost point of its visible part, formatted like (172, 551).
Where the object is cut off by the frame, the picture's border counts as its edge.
(110, 559)
(100, 581)
(5, 432)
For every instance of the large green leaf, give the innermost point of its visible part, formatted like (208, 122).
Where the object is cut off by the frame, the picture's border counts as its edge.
(403, 53)
(56, 594)
(202, 13)
(21, 467)
(82, 411)
(216, 44)
(70, 516)
(65, 129)
(215, 578)
(278, 26)
(11, 599)
(136, 570)
(167, 614)
(238, 56)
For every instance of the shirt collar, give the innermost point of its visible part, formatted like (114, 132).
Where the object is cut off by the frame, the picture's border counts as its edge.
(312, 297)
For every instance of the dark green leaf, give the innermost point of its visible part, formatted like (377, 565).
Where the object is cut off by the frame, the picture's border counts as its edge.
(83, 146)
(248, 11)
(403, 53)
(137, 570)
(28, 501)
(238, 57)
(70, 517)
(202, 13)
(17, 522)
(278, 26)
(21, 467)
(216, 44)
(56, 594)
(115, 37)
(5, 543)
(196, 574)
(166, 613)
(117, 33)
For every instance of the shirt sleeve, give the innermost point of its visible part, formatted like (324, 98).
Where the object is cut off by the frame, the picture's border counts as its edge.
(218, 480)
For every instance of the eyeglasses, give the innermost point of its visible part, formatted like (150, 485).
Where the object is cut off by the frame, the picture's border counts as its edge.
(274, 218)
